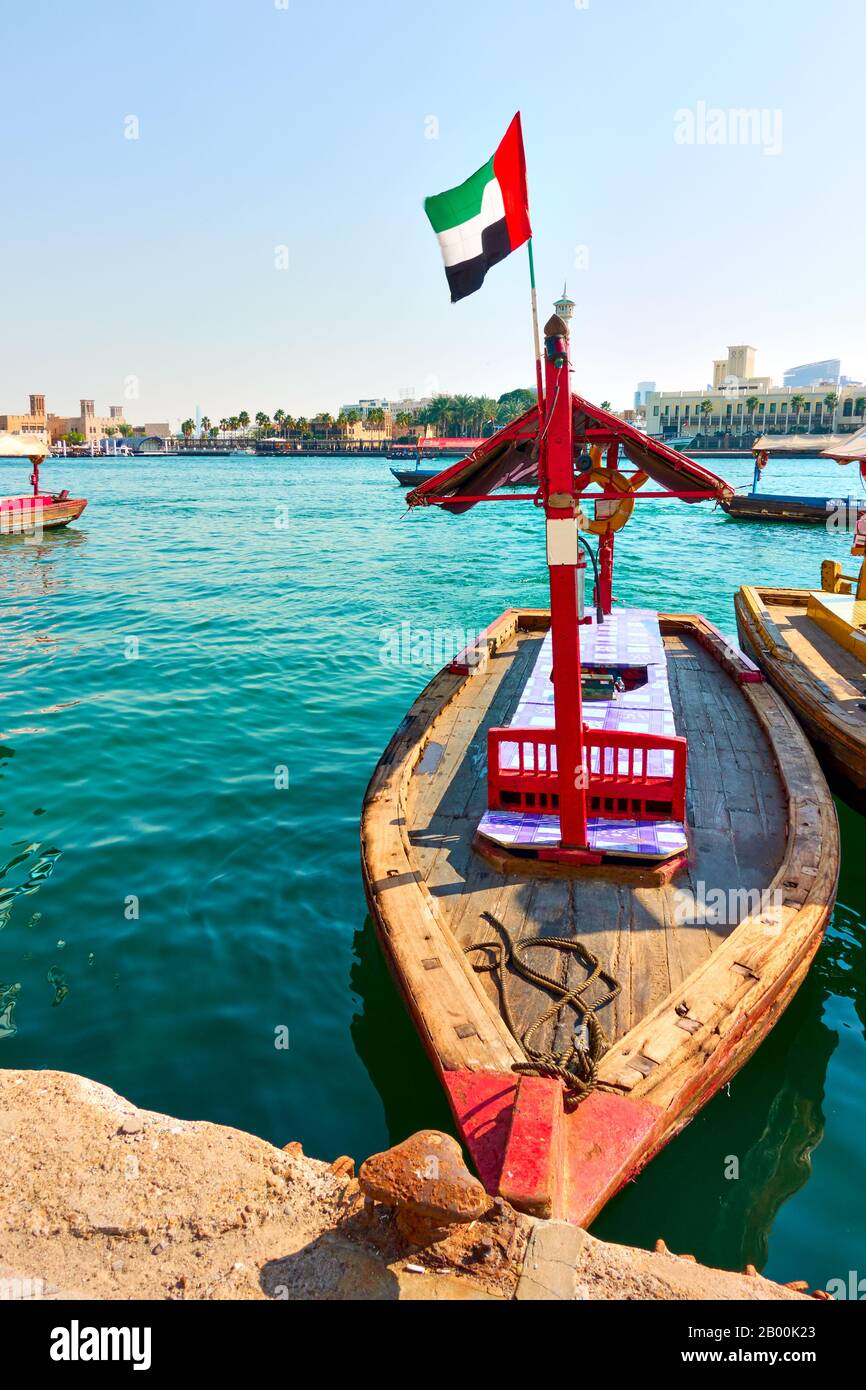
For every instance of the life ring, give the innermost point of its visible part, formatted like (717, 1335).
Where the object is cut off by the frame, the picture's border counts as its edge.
(762, 459)
(610, 479)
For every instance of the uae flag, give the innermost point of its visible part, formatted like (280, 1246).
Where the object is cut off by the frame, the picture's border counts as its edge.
(485, 219)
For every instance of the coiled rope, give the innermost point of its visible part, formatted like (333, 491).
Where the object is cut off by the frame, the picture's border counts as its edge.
(577, 1064)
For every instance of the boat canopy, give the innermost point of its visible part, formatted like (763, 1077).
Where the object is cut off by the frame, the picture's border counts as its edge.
(23, 446)
(510, 458)
(781, 444)
(850, 449)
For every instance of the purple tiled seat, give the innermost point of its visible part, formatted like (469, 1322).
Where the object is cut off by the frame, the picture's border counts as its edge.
(629, 637)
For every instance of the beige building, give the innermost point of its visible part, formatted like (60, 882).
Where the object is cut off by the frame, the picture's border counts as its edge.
(740, 403)
(360, 431)
(88, 423)
(738, 369)
(748, 410)
(34, 423)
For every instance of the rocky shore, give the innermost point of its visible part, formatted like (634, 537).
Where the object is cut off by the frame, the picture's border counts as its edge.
(101, 1200)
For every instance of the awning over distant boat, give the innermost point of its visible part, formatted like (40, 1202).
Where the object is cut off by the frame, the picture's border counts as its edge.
(852, 448)
(797, 443)
(510, 458)
(23, 446)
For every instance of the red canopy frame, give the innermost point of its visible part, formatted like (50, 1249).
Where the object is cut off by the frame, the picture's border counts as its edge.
(559, 451)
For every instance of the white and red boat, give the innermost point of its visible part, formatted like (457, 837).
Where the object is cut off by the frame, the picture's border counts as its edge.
(29, 513)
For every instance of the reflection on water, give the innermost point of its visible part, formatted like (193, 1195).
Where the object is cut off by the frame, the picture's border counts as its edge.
(390, 1048)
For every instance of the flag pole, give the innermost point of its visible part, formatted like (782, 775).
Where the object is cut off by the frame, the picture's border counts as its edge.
(538, 373)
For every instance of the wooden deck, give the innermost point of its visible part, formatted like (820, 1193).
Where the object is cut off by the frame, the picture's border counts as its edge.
(737, 811)
(697, 996)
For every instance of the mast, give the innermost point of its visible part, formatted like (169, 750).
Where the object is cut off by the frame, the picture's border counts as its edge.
(564, 563)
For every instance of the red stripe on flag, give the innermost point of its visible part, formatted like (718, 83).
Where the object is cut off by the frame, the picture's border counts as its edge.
(509, 166)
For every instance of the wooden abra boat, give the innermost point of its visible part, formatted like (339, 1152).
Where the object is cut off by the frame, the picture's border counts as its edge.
(779, 506)
(436, 449)
(29, 513)
(599, 852)
(812, 645)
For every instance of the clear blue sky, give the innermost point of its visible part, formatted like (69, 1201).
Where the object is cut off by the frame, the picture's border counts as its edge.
(305, 126)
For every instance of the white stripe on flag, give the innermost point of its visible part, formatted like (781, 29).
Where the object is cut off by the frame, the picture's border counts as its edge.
(463, 242)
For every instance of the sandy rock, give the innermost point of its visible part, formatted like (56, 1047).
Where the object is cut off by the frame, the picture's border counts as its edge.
(101, 1200)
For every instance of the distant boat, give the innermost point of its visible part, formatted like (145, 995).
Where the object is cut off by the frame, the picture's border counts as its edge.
(440, 449)
(27, 513)
(780, 506)
(681, 442)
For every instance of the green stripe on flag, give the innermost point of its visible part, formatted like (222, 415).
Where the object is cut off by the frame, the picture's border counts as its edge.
(457, 205)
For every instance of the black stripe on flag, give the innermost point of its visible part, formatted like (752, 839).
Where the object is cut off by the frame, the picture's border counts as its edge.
(468, 276)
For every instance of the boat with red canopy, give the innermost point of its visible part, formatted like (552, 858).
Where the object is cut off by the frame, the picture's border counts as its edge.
(30, 513)
(598, 851)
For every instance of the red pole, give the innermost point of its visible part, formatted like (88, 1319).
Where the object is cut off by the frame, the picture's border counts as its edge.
(605, 549)
(557, 475)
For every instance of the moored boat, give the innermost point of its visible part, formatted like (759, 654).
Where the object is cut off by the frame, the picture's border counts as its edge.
(757, 505)
(811, 644)
(435, 449)
(598, 851)
(30, 513)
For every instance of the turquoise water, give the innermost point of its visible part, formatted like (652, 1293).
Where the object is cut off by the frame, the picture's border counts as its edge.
(167, 904)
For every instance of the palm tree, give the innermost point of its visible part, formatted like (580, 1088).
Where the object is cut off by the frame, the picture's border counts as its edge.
(224, 426)
(461, 408)
(439, 413)
(752, 404)
(605, 405)
(860, 406)
(213, 431)
(706, 409)
(831, 400)
(484, 414)
(513, 404)
(244, 420)
(205, 425)
(797, 404)
(279, 417)
(234, 424)
(187, 428)
(376, 417)
(126, 431)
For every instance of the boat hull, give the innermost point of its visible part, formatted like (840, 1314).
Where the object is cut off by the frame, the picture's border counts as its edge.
(836, 738)
(810, 511)
(677, 1046)
(27, 520)
(411, 477)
